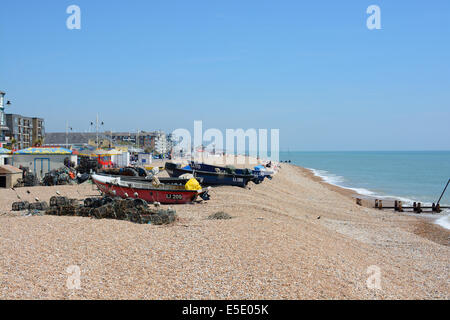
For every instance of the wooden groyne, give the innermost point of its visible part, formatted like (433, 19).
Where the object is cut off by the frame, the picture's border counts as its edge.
(398, 206)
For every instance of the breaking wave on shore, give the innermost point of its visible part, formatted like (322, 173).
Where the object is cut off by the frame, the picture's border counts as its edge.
(444, 221)
(338, 181)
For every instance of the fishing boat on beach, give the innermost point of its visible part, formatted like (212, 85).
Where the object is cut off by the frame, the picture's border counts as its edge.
(212, 178)
(260, 172)
(181, 181)
(165, 193)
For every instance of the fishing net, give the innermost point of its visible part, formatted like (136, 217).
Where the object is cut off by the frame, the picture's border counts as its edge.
(61, 176)
(220, 216)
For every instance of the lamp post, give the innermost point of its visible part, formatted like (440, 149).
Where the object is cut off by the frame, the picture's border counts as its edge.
(3, 127)
(110, 140)
(67, 134)
(137, 138)
(97, 127)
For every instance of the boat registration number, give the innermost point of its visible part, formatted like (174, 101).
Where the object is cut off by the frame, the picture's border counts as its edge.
(174, 196)
(238, 179)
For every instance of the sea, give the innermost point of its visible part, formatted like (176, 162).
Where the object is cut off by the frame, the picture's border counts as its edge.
(405, 175)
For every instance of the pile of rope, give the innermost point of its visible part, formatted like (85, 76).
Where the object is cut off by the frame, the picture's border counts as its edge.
(61, 176)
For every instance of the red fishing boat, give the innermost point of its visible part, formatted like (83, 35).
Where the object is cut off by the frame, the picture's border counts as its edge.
(118, 186)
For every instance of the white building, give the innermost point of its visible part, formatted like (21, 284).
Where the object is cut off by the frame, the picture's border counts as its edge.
(121, 160)
(162, 143)
(5, 156)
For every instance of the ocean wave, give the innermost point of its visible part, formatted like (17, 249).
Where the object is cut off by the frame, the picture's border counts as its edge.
(444, 221)
(339, 180)
(327, 177)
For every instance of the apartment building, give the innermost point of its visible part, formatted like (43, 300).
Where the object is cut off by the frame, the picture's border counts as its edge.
(142, 139)
(24, 132)
(157, 141)
(38, 130)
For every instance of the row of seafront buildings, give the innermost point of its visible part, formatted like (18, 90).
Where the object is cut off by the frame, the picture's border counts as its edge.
(25, 144)
(20, 132)
(157, 142)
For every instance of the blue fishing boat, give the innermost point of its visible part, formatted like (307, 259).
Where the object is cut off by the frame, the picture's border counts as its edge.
(211, 178)
(259, 174)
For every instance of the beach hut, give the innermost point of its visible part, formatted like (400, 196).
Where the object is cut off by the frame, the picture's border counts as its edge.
(9, 176)
(5, 156)
(42, 160)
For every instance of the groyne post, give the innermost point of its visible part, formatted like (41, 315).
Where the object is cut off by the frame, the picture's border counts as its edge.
(438, 208)
(419, 208)
(400, 206)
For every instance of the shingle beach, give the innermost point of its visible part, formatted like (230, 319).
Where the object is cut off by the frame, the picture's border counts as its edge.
(292, 237)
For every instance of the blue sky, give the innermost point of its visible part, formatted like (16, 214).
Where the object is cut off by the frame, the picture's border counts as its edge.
(309, 68)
